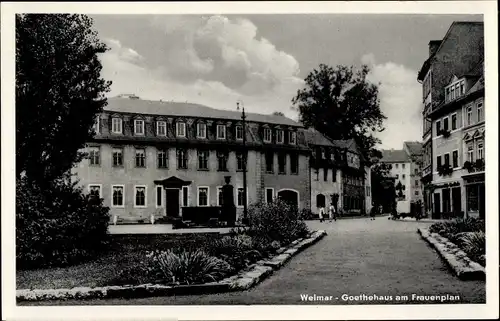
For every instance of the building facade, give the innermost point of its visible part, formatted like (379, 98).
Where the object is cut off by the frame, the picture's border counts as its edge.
(154, 158)
(458, 126)
(459, 52)
(151, 159)
(401, 166)
(337, 170)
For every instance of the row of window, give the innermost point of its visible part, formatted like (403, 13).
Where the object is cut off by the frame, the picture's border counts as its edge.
(201, 130)
(325, 174)
(203, 159)
(294, 163)
(470, 156)
(396, 165)
(454, 122)
(140, 195)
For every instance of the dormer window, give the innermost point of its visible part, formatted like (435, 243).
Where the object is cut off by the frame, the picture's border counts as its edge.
(280, 136)
(292, 138)
(239, 132)
(455, 90)
(267, 135)
(161, 128)
(201, 130)
(139, 127)
(117, 126)
(180, 129)
(221, 131)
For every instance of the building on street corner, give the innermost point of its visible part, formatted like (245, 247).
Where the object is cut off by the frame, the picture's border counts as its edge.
(453, 122)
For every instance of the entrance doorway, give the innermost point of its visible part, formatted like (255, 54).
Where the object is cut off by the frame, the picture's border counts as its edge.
(289, 196)
(172, 202)
(437, 206)
(456, 201)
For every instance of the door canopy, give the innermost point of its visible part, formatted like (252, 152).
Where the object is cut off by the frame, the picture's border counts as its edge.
(173, 182)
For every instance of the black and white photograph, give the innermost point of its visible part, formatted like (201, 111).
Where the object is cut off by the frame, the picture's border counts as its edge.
(250, 156)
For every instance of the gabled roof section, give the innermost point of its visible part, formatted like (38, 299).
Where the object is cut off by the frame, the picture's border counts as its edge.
(314, 137)
(179, 109)
(414, 148)
(394, 156)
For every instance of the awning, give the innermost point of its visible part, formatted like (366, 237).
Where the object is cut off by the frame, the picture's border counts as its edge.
(172, 182)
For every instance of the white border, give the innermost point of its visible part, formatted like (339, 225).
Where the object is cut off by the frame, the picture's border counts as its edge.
(293, 190)
(219, 190)
(198, 130)
(182, 197)
(236, 197)
(292, 312)
(136, 121)
(123, 196)
(198, 195)
(265, 195)
(158, 122)
(100, 188)
(121, 125)
(145, 196)
(177, 127)
(223, 131)
(162, 197)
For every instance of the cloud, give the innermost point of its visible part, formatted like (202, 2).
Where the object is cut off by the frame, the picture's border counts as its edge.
(209, 60)
(400, 100)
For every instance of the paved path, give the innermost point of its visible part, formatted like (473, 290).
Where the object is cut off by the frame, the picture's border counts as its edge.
(381, 257)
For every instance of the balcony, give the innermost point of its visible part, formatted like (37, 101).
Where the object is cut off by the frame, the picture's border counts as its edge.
(475, 167)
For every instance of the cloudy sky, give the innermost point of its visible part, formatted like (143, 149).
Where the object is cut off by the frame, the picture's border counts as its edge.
(262, 59)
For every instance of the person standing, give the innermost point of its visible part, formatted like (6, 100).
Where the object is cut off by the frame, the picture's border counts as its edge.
(321, 213)
(373, 211)
(331, 213)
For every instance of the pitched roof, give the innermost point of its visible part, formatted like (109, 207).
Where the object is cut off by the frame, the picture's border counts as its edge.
(314, 137)
(166, 108)
(414, 148)
(394, 156)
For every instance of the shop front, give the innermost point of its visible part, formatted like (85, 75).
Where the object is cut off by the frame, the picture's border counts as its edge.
(475, 195)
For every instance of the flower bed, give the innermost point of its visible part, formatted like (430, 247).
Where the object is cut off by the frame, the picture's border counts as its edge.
(468, 234)
(275, 232)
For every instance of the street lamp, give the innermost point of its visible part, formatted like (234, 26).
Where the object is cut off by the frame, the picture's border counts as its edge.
(243, 118)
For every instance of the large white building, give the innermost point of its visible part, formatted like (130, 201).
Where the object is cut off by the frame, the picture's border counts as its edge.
(405, 169)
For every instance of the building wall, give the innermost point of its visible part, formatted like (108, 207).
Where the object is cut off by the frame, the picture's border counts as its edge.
(460, 52)
(295, 182)
(327, 188)
(106, 175)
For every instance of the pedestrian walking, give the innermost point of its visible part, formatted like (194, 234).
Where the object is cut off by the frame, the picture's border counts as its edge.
(321, 214)
(331, 213)
(373, 212)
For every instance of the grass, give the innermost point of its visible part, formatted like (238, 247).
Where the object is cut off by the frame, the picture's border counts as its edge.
(125, 251)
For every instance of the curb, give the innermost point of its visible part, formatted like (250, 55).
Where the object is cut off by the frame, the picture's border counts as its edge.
(463, 267)
(246, 279)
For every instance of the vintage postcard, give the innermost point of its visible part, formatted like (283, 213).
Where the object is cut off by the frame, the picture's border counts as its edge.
(253, 160)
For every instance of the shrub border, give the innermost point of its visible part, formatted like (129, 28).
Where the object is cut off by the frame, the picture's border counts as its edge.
(244, 280)
(463, 267)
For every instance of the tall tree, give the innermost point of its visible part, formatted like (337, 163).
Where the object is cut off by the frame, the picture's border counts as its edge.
(59, 91)
(341, 104)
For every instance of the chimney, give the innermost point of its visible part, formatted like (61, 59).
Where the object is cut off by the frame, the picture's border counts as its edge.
(433, 46)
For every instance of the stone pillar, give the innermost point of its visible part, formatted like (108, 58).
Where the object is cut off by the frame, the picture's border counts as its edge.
(228, 211)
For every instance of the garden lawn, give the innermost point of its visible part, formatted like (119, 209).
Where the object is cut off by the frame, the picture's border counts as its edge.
(125, 251)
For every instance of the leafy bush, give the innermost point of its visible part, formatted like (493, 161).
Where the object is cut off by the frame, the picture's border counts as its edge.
(238, 250)
(474, 244)
(58, 225)
(186, 267)
(306, 214)
(276, 221)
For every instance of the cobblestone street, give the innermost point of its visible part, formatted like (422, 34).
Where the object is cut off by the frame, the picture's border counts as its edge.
(358, 256)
